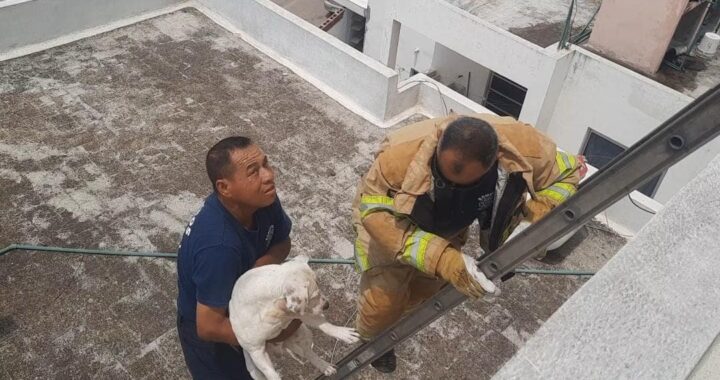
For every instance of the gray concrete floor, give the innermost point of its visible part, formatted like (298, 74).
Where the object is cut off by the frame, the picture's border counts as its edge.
(102, 143)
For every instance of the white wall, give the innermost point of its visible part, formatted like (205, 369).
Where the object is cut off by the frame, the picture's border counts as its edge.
(456, 68)
(436, 100)
(342, 28)
(415, 51)
(481, 42)
(623, 106)
(39, 21)
(557, 79)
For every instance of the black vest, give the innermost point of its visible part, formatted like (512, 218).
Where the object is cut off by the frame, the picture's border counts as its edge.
(452, 208)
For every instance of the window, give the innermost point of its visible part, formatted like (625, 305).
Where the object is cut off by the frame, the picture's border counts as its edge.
(504, 97)
(599, 151)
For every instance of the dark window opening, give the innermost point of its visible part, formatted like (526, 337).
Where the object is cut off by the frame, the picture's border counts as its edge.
(599, 151)
(504, 97)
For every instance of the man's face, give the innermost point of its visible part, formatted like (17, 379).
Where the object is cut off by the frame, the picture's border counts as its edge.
(252, 182)
(458, 169)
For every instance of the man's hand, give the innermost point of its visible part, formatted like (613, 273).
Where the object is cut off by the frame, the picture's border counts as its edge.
(462, 272)
(213, 325)
(292, 327)
(275, 254)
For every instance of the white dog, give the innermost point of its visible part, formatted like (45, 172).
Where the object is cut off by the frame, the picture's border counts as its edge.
(264, 302)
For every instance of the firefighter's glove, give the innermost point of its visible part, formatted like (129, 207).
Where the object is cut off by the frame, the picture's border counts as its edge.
(462, 272)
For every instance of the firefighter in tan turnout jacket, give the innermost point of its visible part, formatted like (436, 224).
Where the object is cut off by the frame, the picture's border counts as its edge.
(429, 182)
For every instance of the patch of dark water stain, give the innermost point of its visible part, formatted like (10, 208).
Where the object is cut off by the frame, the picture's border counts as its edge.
(7, 326)
(679, 80)
(542, 34)
(684, 80)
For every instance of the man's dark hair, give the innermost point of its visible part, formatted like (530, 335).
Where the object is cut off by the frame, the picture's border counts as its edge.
(474, 138)
(217, 162)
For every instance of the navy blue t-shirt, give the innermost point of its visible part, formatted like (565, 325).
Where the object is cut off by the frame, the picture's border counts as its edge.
(216, 249)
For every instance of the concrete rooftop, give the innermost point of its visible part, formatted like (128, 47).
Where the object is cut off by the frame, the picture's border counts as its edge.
(538, 21)
(102, 143)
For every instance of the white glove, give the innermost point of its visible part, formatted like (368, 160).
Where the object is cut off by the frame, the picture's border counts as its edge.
(479, 276)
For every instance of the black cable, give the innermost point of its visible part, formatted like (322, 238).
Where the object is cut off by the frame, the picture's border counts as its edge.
(640, 207)
(567, 28)
(584, 32)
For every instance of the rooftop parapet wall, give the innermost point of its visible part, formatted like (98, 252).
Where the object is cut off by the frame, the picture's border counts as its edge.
(26, 24)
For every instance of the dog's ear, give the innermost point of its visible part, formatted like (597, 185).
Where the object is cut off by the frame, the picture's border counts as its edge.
(296, 296)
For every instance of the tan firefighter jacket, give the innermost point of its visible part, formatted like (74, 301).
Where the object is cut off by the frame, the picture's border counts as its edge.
(528, 163)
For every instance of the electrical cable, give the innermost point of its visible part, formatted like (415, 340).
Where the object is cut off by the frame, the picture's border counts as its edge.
(640, 207)
(442, 98)
(581, 36)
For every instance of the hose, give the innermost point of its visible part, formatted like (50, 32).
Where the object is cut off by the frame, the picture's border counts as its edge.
(110, 252)
(82, 251)
(557, 272)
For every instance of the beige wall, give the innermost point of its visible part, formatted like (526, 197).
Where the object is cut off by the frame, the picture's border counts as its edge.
(636, 32)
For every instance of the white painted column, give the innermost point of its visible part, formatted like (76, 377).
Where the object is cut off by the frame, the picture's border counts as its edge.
(543, 94)
(379, 31)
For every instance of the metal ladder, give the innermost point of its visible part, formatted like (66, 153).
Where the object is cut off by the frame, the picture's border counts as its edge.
(686, 131)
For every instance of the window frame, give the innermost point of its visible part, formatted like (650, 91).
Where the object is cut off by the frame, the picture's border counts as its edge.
(584, 145)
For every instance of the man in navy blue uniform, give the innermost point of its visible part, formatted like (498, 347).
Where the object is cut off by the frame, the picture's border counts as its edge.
(241, 225)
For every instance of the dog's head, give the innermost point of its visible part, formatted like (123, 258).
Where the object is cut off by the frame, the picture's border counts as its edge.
(300, 289)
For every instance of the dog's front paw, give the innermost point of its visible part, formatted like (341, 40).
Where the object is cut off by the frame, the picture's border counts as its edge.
(329, 370)
(345, 334)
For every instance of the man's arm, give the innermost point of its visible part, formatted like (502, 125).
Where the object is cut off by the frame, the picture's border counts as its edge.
(215, 271)
(567, 171)
(213, 324)
(390, 233)
(276, 254)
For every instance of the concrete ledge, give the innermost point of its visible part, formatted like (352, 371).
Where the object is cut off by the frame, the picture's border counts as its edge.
(651, 312)
(8, 3)
(31, 26)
